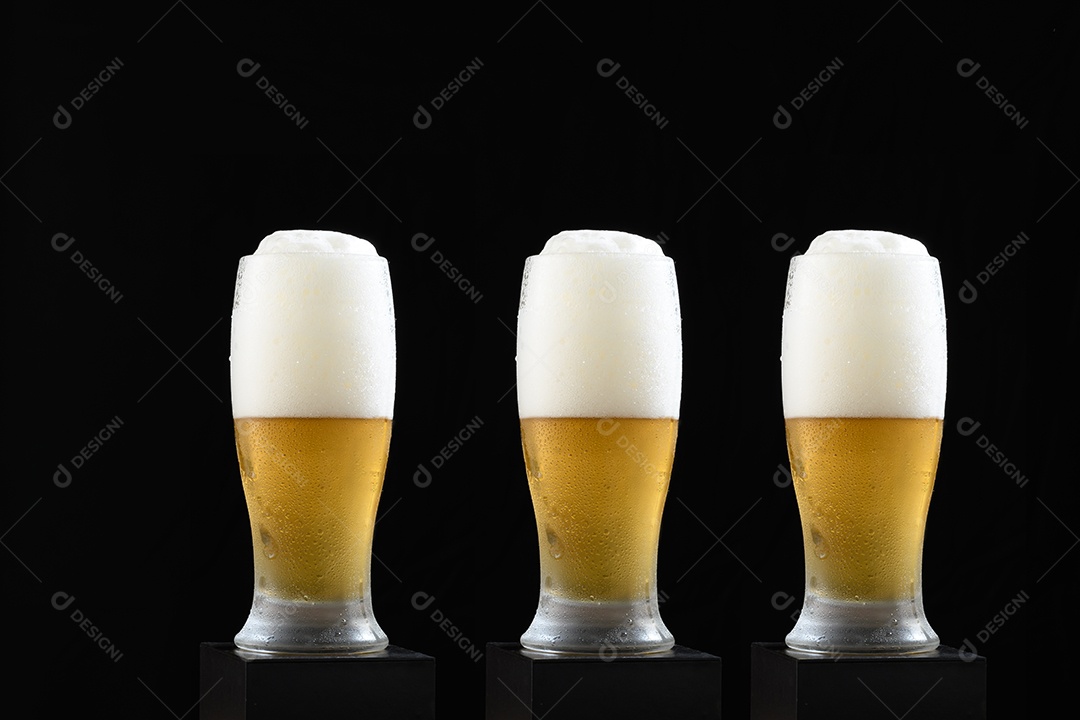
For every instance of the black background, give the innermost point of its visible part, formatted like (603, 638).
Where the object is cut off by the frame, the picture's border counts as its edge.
(179, 164)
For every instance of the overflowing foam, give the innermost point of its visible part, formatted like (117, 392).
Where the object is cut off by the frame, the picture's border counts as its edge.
(869, 241)
(313, 331)
(864, 329)
(599, 241)
(599, 329)
(314, 241)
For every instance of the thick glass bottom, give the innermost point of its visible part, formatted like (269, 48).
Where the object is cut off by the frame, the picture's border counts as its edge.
(290, 626)
(605, 628)
(878, 627)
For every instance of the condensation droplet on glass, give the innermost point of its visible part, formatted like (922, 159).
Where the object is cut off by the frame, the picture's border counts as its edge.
(820, 546)
(554, 545)
(269, 546)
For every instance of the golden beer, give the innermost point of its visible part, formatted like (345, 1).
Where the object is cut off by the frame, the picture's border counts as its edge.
(599, 381)
(312, 487)
(863, 366)
(598, 487)
(313, 373)
(863, 487)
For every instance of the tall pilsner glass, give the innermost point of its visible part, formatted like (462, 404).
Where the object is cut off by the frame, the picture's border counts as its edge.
(599, 368)
(863, 366)
(313, 381)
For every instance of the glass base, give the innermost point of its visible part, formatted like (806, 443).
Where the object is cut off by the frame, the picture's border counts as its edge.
(604, 628)
(291, 626)
(878, 627)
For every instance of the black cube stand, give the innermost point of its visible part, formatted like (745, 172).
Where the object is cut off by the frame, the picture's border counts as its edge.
(789, 685)
(525, 685)
(394, 683)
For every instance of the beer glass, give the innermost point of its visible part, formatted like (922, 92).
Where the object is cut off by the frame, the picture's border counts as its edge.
(313, 381)
(599, 377)
(863, 369)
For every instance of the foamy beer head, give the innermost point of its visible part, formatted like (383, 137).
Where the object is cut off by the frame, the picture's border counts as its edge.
(864, 329)
(313, 329)
(599, 329)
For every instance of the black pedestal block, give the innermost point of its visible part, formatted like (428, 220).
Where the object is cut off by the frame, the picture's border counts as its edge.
(524, 685)
(790, 685)
(394, 683)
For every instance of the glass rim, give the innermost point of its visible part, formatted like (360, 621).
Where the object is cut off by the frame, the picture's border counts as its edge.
(604, 254)
(861, 255)
(364, 256)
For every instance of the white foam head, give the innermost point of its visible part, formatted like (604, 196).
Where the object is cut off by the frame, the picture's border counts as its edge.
(314, 241)
(864, 329)
(600, 241)
(599, 329)
(313, 332)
